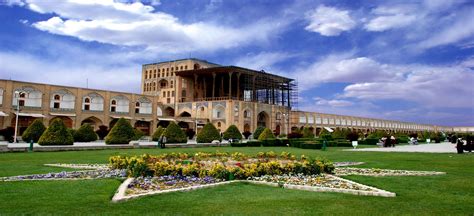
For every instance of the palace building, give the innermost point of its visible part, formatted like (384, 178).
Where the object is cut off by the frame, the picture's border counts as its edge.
(190, 92)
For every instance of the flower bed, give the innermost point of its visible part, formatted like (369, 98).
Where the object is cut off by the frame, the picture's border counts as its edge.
(90, 174)
(221, 165)
(142, 185)
(381, 172)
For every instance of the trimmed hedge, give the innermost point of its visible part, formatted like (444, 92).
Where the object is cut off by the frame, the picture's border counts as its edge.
(307, 133)
(34, 131)
(56, 134)
(258, 131)
(247, 144)
(85, 133)
(208, 134)
(159, 131)
(232, 132)
(371, 141)
(138, 134)
(121, 133)
(266, 134)
(174, 134)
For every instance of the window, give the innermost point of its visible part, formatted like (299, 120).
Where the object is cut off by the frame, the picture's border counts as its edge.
(137, 107)
(183, 93)
(113, 106)
(87, 104)
(218, 124)
(181, 67)
(172, 94)
(278, 116)
(87, 107)
(158, 75)
(158, 71)
(164, 94)
(176, 68)
(21, 103)
(137, 110)
(154, 74)
(57, 97)
(171, 83)
(22, 95)
(168, 100)
(113, 109)
(218, 114)
(202, 109)
(184, 84)
(114, 102)
(185, 67)
(167, 69)
(168, 93)
(246, 114)
(172, 68)
(56, 105)
(167, 74)
(137, 104)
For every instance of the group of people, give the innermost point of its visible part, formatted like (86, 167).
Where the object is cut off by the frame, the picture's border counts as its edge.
(469, 145)
(388, 142)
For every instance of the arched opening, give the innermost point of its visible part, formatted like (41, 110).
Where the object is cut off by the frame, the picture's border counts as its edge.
(163, 124)
(113, 122)
(247, 127)
(144, 126)
(262, 119)
(93, 121)
(311, 129)
(277, 130)
(218, 112)
(163, 83)
(318, 131)
(67, 121)
(185, 114)
(183, 125)
(23, 122)
(196, 66)
(169, 111)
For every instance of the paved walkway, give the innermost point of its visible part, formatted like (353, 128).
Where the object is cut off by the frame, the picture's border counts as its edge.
(429, 148)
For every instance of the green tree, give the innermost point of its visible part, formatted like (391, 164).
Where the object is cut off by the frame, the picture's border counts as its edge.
(232, 132)
(266, 134)
(208, 134)
(56, 134)
(307, 133)
(174, 134)
(258, 131)
(85, 133)
(138, 134)
(121, 133)
(34, 131)
(159, 131)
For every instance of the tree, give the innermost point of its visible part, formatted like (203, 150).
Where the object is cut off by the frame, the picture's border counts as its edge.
(232, 132)
(174, 134)
(307, 133)
(208, 134)
(258, 131)
(266, 134)
(56, 134)
(34, 131)
(137, 134)
(102, 132)
(121, 133)
(85, 133)
(159, 131)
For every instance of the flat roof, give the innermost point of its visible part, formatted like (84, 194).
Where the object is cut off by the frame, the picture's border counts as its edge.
(226, 69)
(194, 59)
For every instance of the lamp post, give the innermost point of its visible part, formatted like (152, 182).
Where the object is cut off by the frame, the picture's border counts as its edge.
(18, 93)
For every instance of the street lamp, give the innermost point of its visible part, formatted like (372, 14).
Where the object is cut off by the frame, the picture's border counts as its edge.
(18, 93)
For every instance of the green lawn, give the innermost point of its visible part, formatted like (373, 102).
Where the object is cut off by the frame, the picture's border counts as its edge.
(451, 194)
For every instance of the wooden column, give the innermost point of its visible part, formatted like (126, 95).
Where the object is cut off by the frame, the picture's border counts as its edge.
(254, 92)
(205, 87)
(195, 86)
(230, 85)
(213, 85)
(238, 86)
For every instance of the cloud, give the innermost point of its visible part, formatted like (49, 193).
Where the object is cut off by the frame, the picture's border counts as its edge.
(263, 60)
(391, 17)
(333, 103)
(136, 24)
(329, 21)
(346, 68)
(426, 86)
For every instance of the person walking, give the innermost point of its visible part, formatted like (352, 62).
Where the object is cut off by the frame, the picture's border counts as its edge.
(393, 141)
(460, 146)
(162, 141)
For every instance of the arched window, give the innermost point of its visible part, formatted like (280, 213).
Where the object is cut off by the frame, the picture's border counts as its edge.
(219, 124)
(57, 97)
(183, 93)
(137, 107)
(87, 103)
(113, 106)
(56, 104)
(114, 102)
(181, 67)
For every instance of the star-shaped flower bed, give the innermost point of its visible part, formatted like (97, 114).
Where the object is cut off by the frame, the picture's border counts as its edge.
(204, 170)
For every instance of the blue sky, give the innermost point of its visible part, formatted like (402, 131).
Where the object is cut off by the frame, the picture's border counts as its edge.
(401, 60)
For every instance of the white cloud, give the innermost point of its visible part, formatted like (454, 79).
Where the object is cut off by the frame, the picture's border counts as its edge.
(329, 21)
(136, 24)
(262, 61)
(333, 103)
(346, 68)
(428, 86)
(391, 17)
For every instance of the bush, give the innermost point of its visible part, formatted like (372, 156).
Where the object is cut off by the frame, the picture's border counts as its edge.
(258, 131)
(34, 131)
(56, 134)
(271, 142)
(174, 134)
(294, 135)
(266, 134)
(254, 143)
(352, 136)
(72, 132)
(371, 141)
(8, 133)
(138, 134)
(85, 134)
(159, 131)
(121, 133)
(208, 134)
(307, 133)
(102, 132)
(232, 132)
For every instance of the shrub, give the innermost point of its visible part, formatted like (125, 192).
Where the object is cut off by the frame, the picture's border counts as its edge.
(8, 133)
(232, 132)
(72, 132)
(352, 136)
(307, 133)
(174, 134)
(254, 143)
(34, 131)
(294, 135)
(137, 134)
(85, 134)
(56, 134)
(208, 134)
(258, 131)
(371, 141)
(102, 132)
(159, 131)
(247, 134)
(121, 133)
(266, 134)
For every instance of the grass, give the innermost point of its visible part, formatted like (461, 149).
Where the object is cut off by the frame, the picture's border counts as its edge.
(451, 194)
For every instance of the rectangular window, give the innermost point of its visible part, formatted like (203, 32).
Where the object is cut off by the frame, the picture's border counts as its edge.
(168, 100)
(137, 110)
(56, 105)
(112, 109)
(164, 94)
(87, 107)
(172, 94)
(218, 114)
